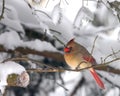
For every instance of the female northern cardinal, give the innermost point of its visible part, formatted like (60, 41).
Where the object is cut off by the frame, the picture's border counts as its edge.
(77, 56)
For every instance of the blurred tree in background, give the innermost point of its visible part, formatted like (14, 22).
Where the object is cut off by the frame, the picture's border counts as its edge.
(33, 33)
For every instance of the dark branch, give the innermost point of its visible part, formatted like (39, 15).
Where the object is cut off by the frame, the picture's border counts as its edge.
(25, 51)
(3, 9)
(78, 85)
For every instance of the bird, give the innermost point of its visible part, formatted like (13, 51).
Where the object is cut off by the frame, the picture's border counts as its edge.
(77, 56)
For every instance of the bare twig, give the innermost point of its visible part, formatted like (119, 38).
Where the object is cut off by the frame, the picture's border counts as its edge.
(29, 59)
(15, 59)
(3, 9)
(43, 13)
(57, 37)
(93, 45)
(108, 80)
(58, 40)
(55, 31)
(114, 54)
(105, 64)
(111, 55)
(115, 7)
(62, 86)
(66, 2)
(118, 17)
(61, 79)
(47, 3)
(78, 85)
(39, 70)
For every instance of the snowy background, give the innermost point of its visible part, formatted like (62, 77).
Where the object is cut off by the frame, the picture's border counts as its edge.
(30, 29)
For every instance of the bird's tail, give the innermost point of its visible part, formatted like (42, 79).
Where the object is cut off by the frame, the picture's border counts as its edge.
(97, 78)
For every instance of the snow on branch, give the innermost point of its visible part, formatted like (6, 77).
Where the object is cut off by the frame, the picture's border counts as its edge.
(25, 51)
(84, 16)
(12, 74)
(13, 44)
(13, 41)
(57, 14)
(39, 48)
(115, 8)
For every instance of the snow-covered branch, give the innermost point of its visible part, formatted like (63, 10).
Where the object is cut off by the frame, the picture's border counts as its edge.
(25, 51)
(14, 75)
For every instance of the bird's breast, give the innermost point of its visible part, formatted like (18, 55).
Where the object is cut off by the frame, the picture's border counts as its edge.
(76, 61)
(72, 60)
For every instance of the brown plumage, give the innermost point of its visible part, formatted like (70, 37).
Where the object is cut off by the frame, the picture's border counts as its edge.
(77, 56)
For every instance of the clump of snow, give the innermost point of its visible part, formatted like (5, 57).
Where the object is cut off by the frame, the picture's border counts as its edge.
(25, 16)
(56, 14)
(11, 20)
(40, 45)
(10, 40)
(83, 17)
(6, 69)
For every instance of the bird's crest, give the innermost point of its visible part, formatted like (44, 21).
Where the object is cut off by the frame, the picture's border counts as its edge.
(68, 47)
(71, 41)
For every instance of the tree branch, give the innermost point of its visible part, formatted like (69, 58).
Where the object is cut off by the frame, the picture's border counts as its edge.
(78, 85)
(111, 55)
(102, 67)
(25, 51)
(56, 56)
(3, 9)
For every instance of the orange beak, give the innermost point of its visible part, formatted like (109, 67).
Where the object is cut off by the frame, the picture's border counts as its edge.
(67, 49)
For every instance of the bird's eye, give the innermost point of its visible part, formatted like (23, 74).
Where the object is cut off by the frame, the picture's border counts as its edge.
(67, 49)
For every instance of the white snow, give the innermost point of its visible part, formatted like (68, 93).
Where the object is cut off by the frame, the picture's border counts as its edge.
(83, 17)
(11, 40)
(70, 79)
(113, 92)
(39, 45)
(109, 34)
(114, 78)
(6, 69)
(11, 19)
(56, 14)
(112, 34)
(24, 12)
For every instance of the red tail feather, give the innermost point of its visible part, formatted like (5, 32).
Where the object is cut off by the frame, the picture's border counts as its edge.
(97, 78)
